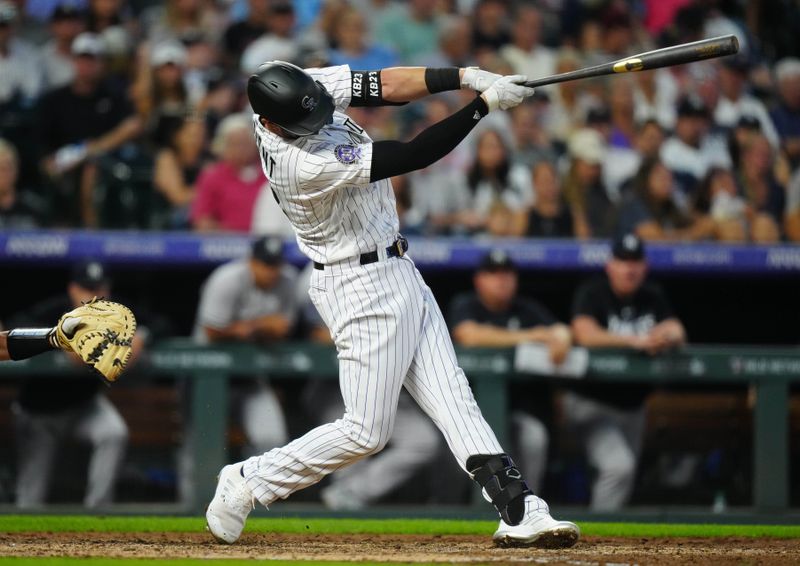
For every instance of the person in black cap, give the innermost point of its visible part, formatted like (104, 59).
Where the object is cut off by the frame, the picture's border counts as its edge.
(50, 409)
(254, 300)
(691, 151)
(66, 23)
(619, 310)
(495, 316)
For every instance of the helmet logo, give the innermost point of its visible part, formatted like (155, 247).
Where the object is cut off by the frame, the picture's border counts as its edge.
(308, 103)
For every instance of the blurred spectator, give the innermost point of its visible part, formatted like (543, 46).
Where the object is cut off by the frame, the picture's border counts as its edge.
(19, 61)
(654, 210)
(742, 133)
(786, 114)
(77, 123)
(526, 54)
(501, 191)
(689, 153)
(620, 310)
(240, 35)
(17, 210)
(278, 42)
(353, 47)
(495, 316)
(177, 167)
(718, 196)
(532, 143)
(621, 109)
(455, 45)
(160, 89)
(181, 20)
(569, 103)
(761, 190)
(268, 218)
(412, 31)
(622, 163)
(655, 94)
(490, 25)
(66, 24)
(549, 217)
(595, 214)
(228, 189)
(735, 102)
(111, 20)
(792, 217)
(617, 36)
(50, 409)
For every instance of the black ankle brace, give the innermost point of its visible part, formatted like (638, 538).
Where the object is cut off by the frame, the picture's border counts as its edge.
(503, 483)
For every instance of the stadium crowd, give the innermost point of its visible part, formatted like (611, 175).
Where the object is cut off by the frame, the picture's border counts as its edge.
(132, 114)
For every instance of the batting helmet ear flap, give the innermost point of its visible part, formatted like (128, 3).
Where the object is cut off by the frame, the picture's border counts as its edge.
(287, 96)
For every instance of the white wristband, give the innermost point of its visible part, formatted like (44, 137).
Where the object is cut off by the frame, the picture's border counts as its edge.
(491, 98)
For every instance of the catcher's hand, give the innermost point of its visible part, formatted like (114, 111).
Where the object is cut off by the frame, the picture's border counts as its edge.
(101, 333)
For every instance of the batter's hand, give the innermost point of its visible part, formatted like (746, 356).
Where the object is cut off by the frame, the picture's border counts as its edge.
(507, 92)
(477, 79)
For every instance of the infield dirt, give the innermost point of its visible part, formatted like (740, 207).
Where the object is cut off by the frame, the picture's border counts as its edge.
(403, 548)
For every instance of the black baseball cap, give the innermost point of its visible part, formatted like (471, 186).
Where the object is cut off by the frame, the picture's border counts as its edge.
(268, 249)
(628, 247)
(692, 106)
(90, 275)
(497, 260)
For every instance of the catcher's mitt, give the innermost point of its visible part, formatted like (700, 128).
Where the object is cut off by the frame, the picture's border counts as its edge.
(100, 332)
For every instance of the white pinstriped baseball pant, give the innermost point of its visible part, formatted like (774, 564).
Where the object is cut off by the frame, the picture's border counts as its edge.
(389, 333)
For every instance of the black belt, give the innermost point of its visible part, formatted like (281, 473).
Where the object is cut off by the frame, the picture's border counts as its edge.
(398, 249)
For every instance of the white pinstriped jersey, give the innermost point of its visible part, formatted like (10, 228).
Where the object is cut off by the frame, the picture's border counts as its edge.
(322, 181)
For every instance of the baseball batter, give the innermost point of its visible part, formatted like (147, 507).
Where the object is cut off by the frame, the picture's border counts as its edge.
(332, 182)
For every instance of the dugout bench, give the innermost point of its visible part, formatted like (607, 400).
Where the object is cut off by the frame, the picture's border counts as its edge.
(770, 371)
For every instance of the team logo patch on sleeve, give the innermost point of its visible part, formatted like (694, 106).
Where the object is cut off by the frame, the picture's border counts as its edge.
(347, 154)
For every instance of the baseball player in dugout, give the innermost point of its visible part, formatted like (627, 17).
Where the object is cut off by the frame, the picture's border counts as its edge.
(50, 409)
(620, 310)
(495, 316)
(332, 182)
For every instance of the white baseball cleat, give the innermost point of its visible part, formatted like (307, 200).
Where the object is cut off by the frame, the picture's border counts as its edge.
(537, 528)
(232, 503)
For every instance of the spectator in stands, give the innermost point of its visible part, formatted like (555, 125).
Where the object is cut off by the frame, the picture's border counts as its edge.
(412, 31)
(177, 167)
(761, 190)
(735, 102)
(792, 217)
(654, 96)
(525, 53)
(495, 316)
(718, 196)
(160, 87)
(689, 153)
(228, 189)
(66, 24)
(277, 43)
(621, 110)
(569, 101)
(490, 25)
(181, 20)
(50, 409)
(112, 21)
(353, 46)
(622, 163)
(786, 114)
(17, 210)
(654, 210)
(241, 34)
(595, 214)
(549, 217)
(501, 191)
(78, 123)
(620, 310)
(455, 45)
(252, 300)
(532, 143)
(19, 62)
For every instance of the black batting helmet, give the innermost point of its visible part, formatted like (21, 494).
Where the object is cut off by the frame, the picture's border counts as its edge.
(287, 96)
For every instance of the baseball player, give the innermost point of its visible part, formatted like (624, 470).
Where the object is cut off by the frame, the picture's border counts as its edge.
(332, 182)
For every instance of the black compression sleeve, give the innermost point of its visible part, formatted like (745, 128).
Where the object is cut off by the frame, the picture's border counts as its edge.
(390, 158)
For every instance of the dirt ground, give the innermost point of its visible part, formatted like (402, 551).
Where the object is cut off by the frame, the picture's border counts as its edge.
(403, 548)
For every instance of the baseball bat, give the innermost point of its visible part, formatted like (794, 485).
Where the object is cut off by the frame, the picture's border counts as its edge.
(666, 57)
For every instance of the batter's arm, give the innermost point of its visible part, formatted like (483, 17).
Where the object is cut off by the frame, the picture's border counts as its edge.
(404, 84)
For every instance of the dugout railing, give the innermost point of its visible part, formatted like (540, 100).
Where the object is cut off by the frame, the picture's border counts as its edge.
(770, 372)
